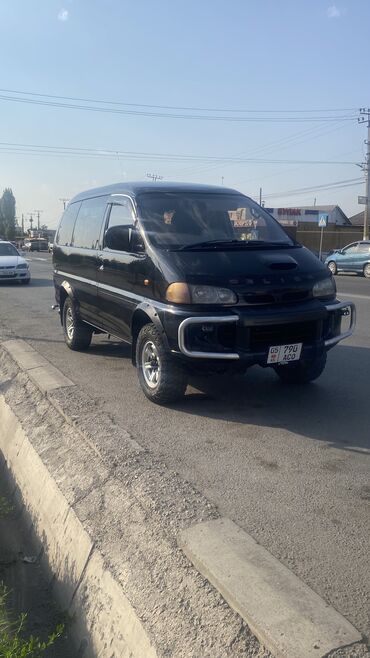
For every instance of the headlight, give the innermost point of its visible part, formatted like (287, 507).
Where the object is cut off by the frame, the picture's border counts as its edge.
(325, 288)
(183, 293)
(22, 266)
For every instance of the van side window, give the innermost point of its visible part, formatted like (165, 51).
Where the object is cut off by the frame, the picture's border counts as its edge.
(121, 214)
(64, 237)
(89, 221)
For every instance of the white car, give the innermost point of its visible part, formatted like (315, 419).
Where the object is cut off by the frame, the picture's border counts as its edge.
(12, 266)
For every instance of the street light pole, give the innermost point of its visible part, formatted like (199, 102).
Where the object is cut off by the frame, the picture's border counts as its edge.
(365, 117)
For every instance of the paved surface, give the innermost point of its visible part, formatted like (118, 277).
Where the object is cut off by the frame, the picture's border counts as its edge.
(292, 467)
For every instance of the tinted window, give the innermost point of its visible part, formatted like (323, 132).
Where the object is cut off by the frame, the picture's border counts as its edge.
(89, 221)
(364, 248)
(67, 223)
(121, 214)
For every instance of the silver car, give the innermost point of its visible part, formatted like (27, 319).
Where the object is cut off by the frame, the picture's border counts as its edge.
(12, 266)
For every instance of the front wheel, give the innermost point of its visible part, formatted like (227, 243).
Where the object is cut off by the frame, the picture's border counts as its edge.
(77, 335)
(161, 378)
(332, 266)
(302, 372)
(367, 270)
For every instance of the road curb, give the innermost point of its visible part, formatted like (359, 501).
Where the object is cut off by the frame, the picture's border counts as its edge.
(108, 529)
(284, 613)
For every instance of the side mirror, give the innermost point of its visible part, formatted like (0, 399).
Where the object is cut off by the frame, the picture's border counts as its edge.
(118, 238)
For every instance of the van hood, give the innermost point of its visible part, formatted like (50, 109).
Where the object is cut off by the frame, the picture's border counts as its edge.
(256, 275)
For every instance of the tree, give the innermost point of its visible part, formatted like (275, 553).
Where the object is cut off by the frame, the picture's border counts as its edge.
(7, 214)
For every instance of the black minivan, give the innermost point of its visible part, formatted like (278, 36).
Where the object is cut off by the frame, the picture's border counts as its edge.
(196, 279)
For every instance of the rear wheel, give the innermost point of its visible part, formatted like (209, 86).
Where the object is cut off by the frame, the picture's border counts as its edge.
(332, 266)
(367, 270)
(162, 379)
(302, 372)
(77, 335)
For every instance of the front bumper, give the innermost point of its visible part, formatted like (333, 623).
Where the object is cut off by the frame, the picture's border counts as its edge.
(247, 334)
(16, 275)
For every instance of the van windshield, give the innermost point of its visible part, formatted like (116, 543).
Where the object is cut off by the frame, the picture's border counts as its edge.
(194, 221)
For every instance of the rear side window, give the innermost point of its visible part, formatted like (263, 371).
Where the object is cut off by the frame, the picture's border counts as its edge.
(364, 248)
(64, 237)
(89, 222)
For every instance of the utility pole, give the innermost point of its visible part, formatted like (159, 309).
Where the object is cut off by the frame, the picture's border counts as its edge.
(38, 212)
(31, 219)
(154, 177)
(64, 202)
(365, 118)
(22, 224)
(260, 196)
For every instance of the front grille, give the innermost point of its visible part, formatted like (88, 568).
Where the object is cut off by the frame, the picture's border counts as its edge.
(7, 267)
(281, 334)
(274, 297)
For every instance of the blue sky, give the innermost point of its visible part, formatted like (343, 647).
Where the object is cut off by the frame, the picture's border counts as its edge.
(256, 55)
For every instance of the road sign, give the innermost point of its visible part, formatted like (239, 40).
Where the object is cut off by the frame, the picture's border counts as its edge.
(362, 200)
(323, 220)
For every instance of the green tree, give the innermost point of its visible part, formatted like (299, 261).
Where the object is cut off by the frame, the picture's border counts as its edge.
(7, 214)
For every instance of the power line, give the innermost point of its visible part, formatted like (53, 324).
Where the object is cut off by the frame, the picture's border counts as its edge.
(327, 186)
(171, 115)
(42, 149)
(280, 144)
(174, 107)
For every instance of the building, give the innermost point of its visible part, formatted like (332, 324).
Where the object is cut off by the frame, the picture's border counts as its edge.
(358, 219)
(309, 215)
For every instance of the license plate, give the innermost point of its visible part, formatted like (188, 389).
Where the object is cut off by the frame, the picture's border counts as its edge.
(284, 353)
(6, 272)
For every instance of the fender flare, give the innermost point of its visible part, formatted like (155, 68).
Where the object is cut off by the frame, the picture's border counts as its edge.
(146, 308)
(68, 291)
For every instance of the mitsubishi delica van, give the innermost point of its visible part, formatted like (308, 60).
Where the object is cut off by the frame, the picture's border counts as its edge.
(197, 279)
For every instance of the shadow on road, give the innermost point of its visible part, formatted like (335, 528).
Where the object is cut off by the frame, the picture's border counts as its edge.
(334, 409)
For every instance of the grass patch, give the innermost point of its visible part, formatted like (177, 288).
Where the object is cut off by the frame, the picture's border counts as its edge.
(13, 640)
(5, 507)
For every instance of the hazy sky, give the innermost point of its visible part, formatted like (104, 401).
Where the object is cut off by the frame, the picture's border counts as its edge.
(274, 58)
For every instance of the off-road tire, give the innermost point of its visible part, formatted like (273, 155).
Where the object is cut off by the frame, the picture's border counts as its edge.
(25, 282)
(77, 337)
(301, 372)
(172, 380)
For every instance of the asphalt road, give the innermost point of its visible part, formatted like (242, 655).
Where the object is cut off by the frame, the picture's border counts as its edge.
(291, 466)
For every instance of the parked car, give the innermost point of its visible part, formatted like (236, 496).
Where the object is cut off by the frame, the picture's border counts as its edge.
(196, 279)
(355, 257)
(12, 266)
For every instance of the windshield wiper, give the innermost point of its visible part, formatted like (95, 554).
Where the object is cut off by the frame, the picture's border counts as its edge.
(225, 243)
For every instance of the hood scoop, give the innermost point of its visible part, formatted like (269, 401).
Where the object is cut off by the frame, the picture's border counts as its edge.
(280, 262)
(282, 266)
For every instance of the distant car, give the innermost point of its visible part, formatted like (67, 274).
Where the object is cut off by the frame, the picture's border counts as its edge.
(355, 257)
(12, 266)
(36, 244)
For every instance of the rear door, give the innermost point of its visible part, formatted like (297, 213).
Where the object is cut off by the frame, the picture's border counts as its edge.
(363, 256)
(116, 274)
(83, 256)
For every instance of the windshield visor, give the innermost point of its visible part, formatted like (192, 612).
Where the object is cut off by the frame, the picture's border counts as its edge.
(179, 220)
